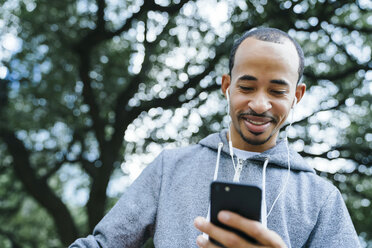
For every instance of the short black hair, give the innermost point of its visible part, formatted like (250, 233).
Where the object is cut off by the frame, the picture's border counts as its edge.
(271, 35)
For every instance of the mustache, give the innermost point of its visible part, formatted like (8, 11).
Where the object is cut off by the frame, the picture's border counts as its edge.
(252, 113)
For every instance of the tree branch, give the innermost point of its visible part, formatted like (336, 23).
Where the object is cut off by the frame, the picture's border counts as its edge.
(12, 210)
(101, 14)
(11, 237)
(3, 94)
(172, 100)
(52, 171)
(128, 92)
(335, 76)
(39, 189)
(148, 5)
(349, 28)
(335, 148)
(132, 87)
(99, 35)
(90, 100)
(305, 119)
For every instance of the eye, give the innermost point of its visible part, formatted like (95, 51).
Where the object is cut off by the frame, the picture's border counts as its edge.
(246, 88)
(279, 92)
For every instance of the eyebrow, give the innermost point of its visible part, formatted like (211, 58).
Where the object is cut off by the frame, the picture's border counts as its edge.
(279, 81)
(248, 78)
(274, 81)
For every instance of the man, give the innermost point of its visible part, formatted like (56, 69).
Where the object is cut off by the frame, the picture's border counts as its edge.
(299, 209)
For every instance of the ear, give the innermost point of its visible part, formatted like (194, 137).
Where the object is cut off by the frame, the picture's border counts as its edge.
(300, 91)
(225, 83)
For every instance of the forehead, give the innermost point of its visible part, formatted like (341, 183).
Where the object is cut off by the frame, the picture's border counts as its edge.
(269, 57)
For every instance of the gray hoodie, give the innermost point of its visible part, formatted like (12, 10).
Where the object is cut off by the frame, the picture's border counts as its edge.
(174, 189)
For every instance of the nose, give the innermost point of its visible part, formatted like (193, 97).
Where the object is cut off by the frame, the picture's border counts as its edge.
(259, 103)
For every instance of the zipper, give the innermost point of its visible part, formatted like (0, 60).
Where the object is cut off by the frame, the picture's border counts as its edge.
(238, 170)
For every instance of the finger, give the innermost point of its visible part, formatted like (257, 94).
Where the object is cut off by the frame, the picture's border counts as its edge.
(205, 243)
(227, 238)
(252, 228)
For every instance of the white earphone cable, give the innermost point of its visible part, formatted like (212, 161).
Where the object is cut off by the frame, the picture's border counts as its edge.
(288, 160)
(230, 122)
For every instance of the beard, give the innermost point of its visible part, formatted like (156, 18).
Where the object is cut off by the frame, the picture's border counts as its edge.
(254, 142)
(257, 141)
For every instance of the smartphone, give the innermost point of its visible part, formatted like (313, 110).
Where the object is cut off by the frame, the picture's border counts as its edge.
(242, 199)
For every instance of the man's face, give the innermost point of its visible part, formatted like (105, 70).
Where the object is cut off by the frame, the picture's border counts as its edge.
(262, 88)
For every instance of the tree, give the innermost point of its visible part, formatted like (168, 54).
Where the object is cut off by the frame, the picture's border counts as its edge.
(92, 72)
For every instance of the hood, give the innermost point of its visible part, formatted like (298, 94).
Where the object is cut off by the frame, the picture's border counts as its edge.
(277, 155)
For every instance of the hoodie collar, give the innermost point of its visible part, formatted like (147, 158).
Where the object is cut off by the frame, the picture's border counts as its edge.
(277, 154)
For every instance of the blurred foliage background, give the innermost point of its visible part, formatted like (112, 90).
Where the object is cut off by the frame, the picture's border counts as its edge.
(92, 90)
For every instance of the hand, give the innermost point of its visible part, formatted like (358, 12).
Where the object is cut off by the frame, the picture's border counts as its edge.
(264, 236)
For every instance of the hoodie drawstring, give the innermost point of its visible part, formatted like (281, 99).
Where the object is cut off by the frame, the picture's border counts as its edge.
(220, 145)
(263, 205)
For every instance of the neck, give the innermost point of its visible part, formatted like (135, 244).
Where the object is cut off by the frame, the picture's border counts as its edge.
(240, 143)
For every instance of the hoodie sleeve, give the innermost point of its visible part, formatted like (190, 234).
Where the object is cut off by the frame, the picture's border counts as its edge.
(131, 221)
(334, 227)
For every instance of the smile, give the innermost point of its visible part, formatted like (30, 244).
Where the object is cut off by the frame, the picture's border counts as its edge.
(256, 124)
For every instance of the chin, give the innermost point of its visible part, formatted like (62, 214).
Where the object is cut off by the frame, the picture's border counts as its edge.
(255, 138)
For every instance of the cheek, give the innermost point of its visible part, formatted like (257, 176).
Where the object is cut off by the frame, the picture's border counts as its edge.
(282, 110)
(239, 104)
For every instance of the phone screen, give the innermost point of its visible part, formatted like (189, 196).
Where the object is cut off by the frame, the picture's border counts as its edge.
(242, 199)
